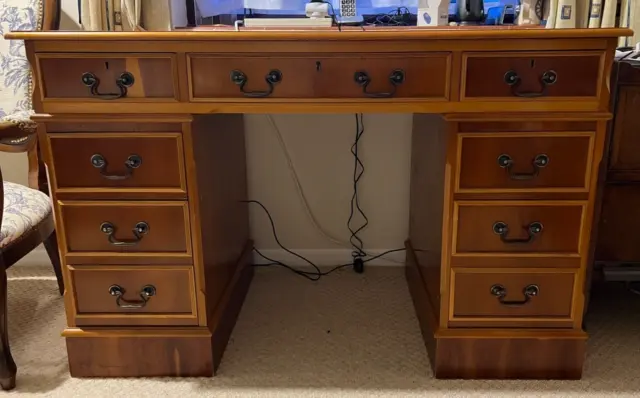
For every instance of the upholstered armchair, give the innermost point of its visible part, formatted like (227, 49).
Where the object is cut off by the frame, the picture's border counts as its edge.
(26, 218)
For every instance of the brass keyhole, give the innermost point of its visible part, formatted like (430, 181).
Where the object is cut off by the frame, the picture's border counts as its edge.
(533, 63)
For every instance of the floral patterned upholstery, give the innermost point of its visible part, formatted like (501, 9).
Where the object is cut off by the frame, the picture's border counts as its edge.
(24, 209)
(15, 74)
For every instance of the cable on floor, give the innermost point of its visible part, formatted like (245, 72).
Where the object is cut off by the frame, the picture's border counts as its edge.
(317, 273)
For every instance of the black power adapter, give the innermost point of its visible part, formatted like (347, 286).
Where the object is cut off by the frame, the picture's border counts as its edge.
(358, 265)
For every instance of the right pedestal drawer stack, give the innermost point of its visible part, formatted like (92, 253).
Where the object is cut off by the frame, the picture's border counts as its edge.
(499, 241)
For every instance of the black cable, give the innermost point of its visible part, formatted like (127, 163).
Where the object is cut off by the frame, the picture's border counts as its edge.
(275, 236)
(358, 171)
(401, 16)
(334, 17)
(312, 276)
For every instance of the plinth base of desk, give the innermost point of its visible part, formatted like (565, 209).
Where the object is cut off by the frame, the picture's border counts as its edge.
(474, 353)
(158, 352)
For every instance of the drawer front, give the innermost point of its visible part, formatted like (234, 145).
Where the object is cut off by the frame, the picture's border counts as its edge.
(366, 76)
(495, 296)
(532, 227)
(134, 295)
(534, 75)
(126, 227)
(525, 162)
(120, 161)
(79, 77)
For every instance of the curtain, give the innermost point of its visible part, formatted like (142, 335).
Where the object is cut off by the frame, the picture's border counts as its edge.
(125, 15)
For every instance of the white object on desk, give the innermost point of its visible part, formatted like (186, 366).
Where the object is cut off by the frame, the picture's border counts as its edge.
(433, 12)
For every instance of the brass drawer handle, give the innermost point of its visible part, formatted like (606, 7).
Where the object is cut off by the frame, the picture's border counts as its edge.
(140, 229)
(547, 79)
(99, 162)
(502, 229)
(501, 292)
(363, 79)
(540, 161)
(240, 79)
(124, 81)
(146, 293)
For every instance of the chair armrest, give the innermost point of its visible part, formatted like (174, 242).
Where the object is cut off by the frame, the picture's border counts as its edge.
(10, 130)
(17, 125)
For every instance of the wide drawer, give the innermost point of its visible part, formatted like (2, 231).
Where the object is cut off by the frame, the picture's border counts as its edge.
(526, 162)
(532, 75)
(518, 227)
(82, 77)
(419, 76)
(118, 162)
(130, 295)
(126, 227)
(526, 297)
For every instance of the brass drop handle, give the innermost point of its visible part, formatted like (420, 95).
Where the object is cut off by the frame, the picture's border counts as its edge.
(540, 161)
(146, 293)
(240, 79)
(502, 229)
(396, 78)
(139, 230)
(99, 162)
(500, 292)
(124, 81)
(547, 79)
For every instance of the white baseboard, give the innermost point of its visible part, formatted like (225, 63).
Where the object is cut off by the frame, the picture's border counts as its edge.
(328, 257)
(320, 257)
(37, 257)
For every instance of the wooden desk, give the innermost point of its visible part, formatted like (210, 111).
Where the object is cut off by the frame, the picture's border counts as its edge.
(143, 138)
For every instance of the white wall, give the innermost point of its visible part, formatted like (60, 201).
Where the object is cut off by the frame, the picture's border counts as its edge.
(325, 166)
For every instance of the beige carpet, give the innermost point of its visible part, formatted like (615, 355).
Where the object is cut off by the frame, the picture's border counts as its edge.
(347, 336)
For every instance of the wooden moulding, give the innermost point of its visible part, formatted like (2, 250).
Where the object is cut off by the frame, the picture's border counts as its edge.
(469, 353)
(156, 351)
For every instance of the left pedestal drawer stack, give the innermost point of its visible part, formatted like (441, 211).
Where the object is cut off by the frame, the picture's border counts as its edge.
(135, 277)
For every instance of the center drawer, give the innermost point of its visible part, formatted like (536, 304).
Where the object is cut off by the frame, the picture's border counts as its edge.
(130, 295)
(534, 228)
(128, 228)
(119, 162)
(410, 75)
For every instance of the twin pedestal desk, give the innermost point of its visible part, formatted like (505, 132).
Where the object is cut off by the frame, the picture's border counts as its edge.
(142, 134)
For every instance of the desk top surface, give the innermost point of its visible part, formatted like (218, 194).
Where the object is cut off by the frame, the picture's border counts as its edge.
(345, 33)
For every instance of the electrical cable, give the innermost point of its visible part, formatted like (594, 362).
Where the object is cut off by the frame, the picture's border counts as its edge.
(275, 236)
(358, 171)
(310, 275)
(401, 16)
(300, 190)
(303, 198)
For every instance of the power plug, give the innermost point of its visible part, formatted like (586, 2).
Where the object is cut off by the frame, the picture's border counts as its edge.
(358, 265)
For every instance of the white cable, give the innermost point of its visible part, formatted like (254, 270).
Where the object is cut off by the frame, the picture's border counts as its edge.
(301, 195)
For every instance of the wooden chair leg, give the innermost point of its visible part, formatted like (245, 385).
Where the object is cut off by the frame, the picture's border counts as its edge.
(8, 367)
(51, 244)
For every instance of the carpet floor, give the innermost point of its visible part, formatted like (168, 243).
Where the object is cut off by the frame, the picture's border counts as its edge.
(346, 336)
